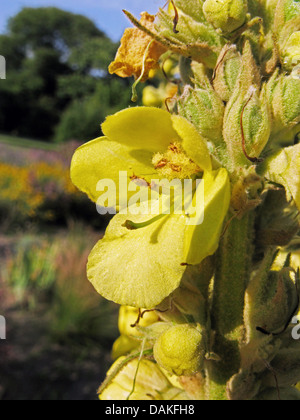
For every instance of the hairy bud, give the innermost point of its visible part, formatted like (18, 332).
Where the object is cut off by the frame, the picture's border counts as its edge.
(181, 350)
(291, 51)
(227, 72)
(271, 301)
(205, 110)
(227, 15)
(285, 108)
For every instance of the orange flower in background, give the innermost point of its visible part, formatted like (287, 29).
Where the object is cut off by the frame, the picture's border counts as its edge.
(138, 51)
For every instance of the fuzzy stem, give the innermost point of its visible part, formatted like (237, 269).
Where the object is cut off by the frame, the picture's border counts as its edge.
(232, 276)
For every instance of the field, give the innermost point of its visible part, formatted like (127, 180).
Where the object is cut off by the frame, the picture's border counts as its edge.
(59, 330)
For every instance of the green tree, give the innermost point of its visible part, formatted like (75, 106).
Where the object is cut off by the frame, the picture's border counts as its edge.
(55, 60)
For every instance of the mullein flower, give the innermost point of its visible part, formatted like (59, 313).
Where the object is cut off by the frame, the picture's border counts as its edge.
(150, 144)
(150, 383)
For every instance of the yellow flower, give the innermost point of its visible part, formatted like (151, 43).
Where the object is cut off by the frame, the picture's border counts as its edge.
(142, 262)
(131, 57)
(150, 383)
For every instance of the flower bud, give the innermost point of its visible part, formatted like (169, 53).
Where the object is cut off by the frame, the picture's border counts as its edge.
(247, 126)
(192, 8)
(281, 169)
(156, 97)
(291, 9)
(188, 34)
(243, 386)
(181, 350)
(285, 108)
(227, 15)
(287, 367)
(205, 110)
(291, 51)
(152, 97)
(227, 72)
(271, 300)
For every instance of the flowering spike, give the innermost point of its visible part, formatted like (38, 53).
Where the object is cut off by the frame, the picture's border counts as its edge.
(202, 253)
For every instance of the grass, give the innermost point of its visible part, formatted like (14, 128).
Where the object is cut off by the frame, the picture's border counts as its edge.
(27, 143)
(48, 273)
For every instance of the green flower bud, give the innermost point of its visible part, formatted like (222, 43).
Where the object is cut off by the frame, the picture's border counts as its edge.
(291, 9)
(291, 52)
(287, 367)
(247, 125)
(285, 12)
(270, 301)
(288, 40)
(192, 8)
(227, 15)
(189, 34)
(227, 72)
(270, 6)
(282, 168)
(285, 101)
(205, 109)
(181, 350)
(243, 386)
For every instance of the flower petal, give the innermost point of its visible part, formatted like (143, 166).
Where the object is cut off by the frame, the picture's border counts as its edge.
(141, 380)
(139, 267)
(143, 128)
(194, 145)
(203, 240)
(104, 159)
(136, 53)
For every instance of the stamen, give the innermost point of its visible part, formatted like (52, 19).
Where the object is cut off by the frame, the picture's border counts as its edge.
(130, 225)
(161, 164)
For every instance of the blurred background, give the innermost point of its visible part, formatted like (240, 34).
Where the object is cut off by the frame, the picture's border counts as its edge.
(56, 93)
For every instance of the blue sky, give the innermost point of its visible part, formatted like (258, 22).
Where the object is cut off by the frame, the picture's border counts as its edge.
(107, 14)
